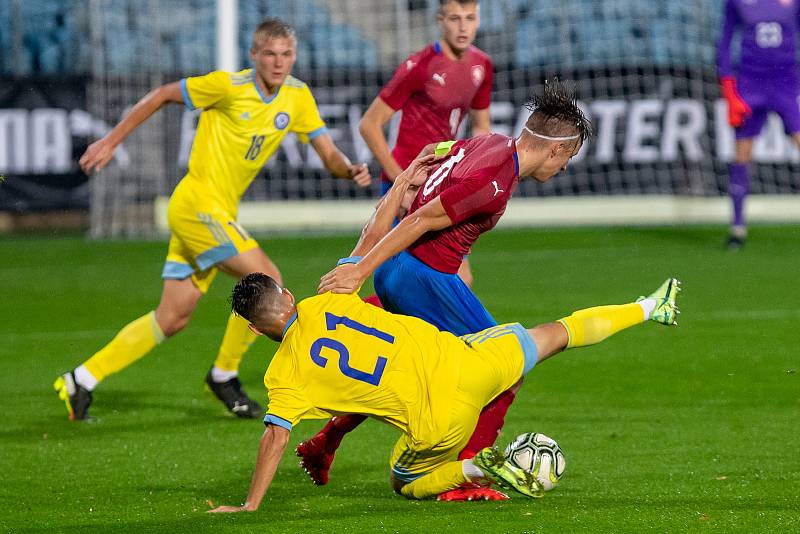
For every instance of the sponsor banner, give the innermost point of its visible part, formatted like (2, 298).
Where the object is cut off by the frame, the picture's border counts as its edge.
(656, 131)
(43, 130)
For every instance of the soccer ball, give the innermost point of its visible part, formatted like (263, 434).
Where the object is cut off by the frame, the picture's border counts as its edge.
(539, 455)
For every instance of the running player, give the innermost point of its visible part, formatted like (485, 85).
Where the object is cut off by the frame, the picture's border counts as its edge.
(764, 80)
(464, 197)
(341, 355)
(245, 116)
(434, 89)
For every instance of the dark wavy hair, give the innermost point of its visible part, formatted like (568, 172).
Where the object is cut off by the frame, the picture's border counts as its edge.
(555, 112)
(254, 295)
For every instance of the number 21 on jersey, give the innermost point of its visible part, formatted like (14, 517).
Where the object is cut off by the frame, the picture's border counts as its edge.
(331, 323)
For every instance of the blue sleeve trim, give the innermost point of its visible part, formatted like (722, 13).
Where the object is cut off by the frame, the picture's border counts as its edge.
(349, 259)
(187, 100)
(174, 270)
(316, 133)
(530, 354)
(289, 323)
(270, 419)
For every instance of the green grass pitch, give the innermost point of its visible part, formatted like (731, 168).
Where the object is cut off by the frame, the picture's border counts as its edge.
(693, 428)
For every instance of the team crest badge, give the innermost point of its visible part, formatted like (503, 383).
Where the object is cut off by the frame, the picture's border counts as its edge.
(281, 120)
(477, 74)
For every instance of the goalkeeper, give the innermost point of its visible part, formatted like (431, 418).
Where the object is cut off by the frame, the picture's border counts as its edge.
(764, 80)
(245, 116)
(340, 355)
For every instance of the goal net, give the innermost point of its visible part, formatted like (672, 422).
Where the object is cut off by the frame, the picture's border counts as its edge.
(644, 71)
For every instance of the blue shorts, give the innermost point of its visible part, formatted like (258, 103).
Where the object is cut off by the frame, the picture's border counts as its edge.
(407, 286)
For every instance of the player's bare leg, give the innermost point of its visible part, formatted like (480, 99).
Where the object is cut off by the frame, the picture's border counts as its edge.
(179, 299)
(738, 188)
(223, 377)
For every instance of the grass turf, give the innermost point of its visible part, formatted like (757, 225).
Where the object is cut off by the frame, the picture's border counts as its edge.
(691, 428)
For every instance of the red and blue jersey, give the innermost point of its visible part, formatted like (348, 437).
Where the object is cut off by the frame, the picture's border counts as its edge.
(474, 183)
(434, 94)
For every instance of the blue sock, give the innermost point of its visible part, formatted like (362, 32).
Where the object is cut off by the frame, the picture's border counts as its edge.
(738, 187)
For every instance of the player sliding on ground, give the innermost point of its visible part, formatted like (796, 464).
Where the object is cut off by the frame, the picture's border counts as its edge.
(245, 117)
(341, 355)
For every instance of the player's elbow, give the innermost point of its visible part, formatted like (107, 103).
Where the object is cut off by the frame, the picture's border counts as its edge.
(366, 126)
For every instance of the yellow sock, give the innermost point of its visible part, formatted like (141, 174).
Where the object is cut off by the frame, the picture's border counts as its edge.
(131, 343)
(235, 343)
(593, 325)
(444, 478)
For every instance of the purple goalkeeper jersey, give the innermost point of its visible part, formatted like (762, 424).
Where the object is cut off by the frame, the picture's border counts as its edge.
(768, 30)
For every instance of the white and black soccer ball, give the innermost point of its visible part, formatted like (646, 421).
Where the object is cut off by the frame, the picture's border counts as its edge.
(539, 455)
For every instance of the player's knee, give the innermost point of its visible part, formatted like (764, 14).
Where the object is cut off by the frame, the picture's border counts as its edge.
(397, 484)
(172, 323)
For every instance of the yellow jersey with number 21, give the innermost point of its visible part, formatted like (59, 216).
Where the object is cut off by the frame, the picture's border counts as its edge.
(341, 355)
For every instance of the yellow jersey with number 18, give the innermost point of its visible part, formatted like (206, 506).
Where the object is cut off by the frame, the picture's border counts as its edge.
(241, 127)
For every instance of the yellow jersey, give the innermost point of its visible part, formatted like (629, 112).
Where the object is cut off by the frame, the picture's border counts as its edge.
(240, 128)
(340, 355)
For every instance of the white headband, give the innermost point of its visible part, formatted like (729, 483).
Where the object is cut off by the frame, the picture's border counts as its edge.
(549, 138)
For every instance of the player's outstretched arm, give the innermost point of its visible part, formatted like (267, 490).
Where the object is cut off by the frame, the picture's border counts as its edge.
(347, 278)
(270, 450)
(101, 151)
(395, 201)
(371, 128)
(338, 164)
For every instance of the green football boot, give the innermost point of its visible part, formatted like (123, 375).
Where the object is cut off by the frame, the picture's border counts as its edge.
(666, 311)
(494, 465)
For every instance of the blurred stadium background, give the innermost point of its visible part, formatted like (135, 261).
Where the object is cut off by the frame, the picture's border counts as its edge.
(643, 70)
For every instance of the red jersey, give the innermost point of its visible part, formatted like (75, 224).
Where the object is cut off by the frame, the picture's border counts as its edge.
(434, 93)
(474, 184)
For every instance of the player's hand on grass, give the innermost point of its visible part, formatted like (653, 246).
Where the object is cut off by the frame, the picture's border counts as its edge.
(97, 156)
(360, 174)
(345, 278)
(232, 509)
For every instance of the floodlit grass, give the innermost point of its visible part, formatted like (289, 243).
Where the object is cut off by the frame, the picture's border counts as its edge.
(664, 429)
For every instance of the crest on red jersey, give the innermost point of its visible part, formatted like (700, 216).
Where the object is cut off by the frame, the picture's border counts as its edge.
(477, 74)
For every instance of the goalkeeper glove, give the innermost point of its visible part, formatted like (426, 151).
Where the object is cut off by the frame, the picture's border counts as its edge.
(738, 109)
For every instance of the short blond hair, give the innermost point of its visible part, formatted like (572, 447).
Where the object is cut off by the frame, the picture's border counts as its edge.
(272, 29)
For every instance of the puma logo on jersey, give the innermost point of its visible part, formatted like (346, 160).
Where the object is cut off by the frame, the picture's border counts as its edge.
(496, 188)
(439, 77)
(245, 116)
(409, 64)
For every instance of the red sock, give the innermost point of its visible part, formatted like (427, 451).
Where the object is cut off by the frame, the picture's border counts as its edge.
(374, 300)
(489, 424)
(337, 427)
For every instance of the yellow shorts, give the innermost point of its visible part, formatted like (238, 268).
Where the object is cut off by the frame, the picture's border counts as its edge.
(204, 234)
(495, 360)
